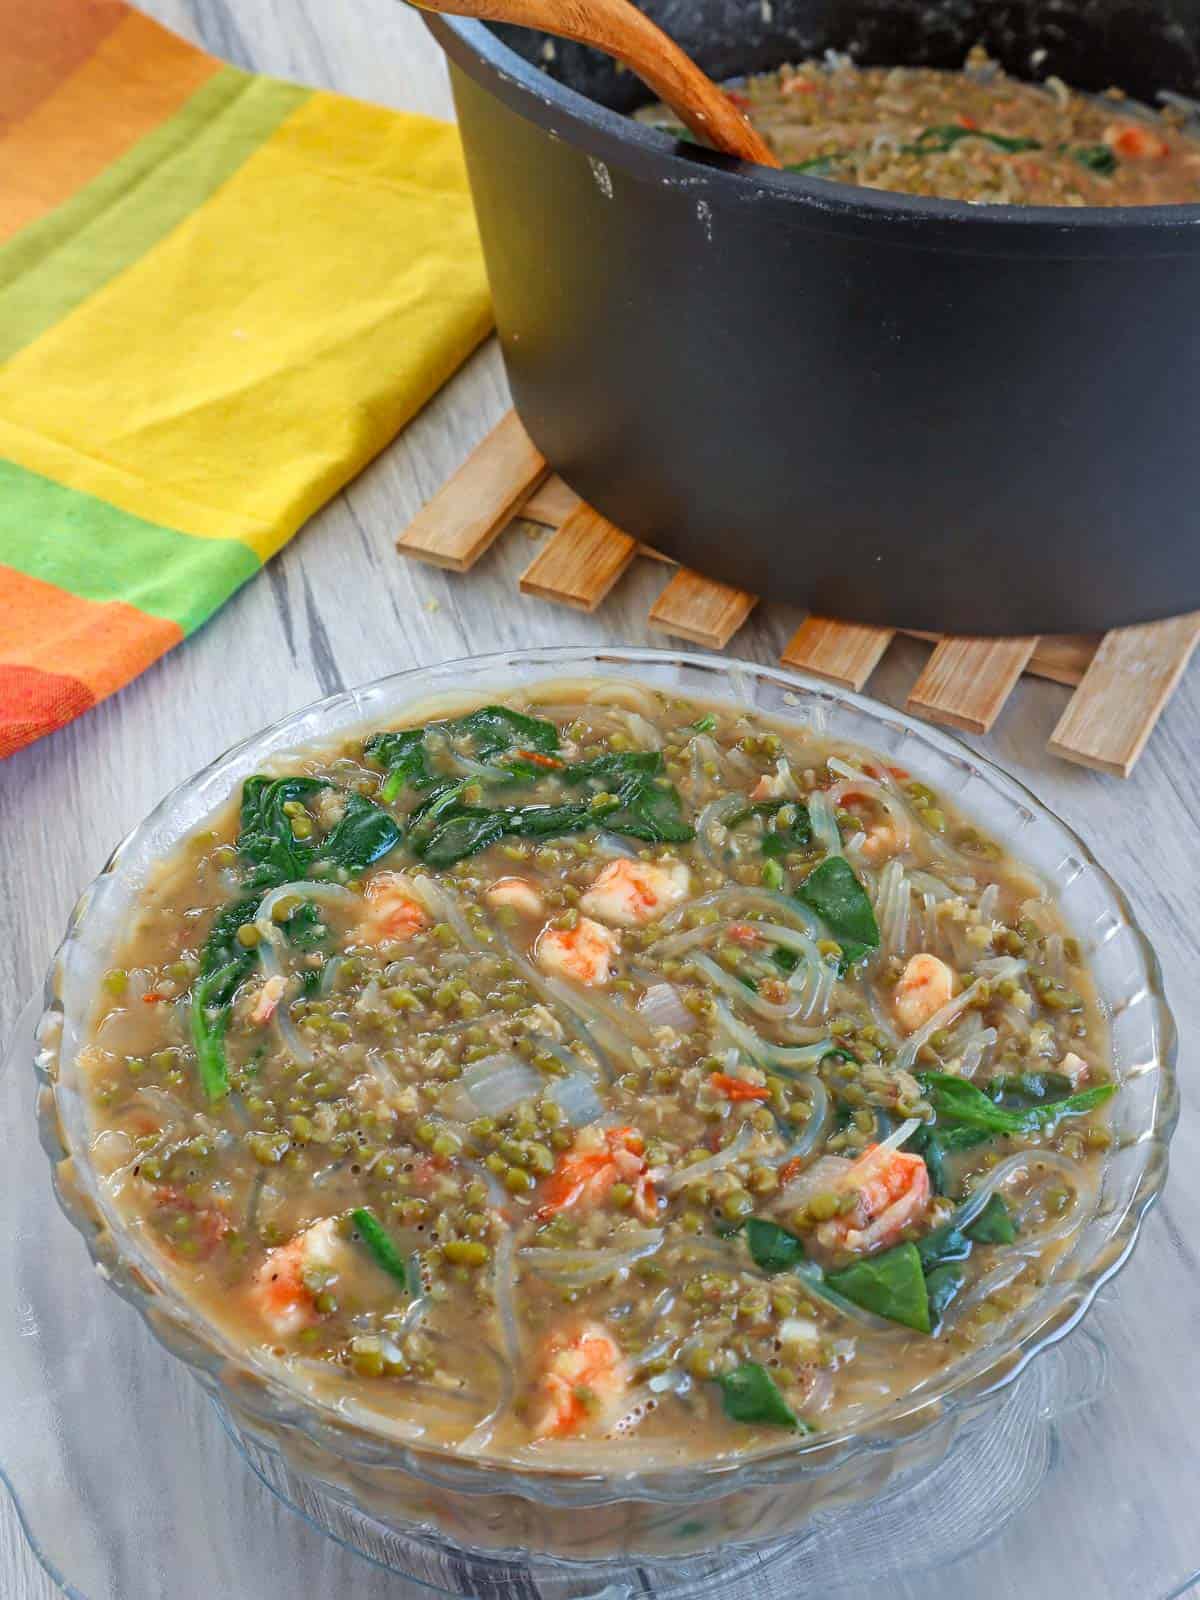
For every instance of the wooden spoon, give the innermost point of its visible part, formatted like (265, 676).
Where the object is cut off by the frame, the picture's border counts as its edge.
(619, 29)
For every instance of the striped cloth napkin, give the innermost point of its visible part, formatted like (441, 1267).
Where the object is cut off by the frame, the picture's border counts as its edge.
(220, 296)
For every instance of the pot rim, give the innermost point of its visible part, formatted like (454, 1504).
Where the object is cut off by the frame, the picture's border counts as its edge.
(643, 153)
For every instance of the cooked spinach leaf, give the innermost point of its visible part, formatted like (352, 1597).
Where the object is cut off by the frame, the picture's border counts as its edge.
(224, 962)
(1097, 158)
(891, 1284)
(941, 1285)
(751, 1395)
(961, 1105)
(786, 960)
(378, 1242)
(1027, 1088)
(650, 809)
(772, 1248)
(402, 756)
(945, 135)
(942, 1245)
(489, 732)
(615, 768)
(815, 166)
(994, 1224)
(304, 927)
(364, 835)
(265, 838)
(928, 1145)
(835, 894)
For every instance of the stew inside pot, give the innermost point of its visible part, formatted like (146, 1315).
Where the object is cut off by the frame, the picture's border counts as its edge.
(975, 135)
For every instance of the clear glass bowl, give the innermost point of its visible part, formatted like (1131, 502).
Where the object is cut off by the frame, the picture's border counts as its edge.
(662, 1513)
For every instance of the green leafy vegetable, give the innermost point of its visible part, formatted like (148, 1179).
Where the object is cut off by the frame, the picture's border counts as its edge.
(304, 927)
(835, 894)
(706, 724)
(1027, 1088)
(224, 963)
(380, 1245)
(650, 809)
(772, 1248)
(616, 768)
(786, 960)
(960, 1103)
(364, 835)
(942, 1245)
(945, 135)
(926, 1144)
(891, 1284)
(402, 755)
(488, 732)
(1096, 158)
(994, 1224)
(779, 841)
(941, 1285)
(815, 166)
(751, 1395)
(265, 839)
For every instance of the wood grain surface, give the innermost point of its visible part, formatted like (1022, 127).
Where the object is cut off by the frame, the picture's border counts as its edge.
(339, 607)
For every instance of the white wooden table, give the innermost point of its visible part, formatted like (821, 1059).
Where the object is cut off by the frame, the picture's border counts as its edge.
(338, 607)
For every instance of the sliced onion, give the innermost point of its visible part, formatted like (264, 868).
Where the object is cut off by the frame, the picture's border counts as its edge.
(608, 844)
(1006, 968)
(732, 1152)
(504, 1293)
(578, 1098)
(818, 1120)
(642, 729)
(824, 824)
(977, 1047)
(711, 832)
(1022, 1162)
(767, 1054)
(662, 1007)
(893, 904)
(499, 1082)
(926, 883)
(576, 1269)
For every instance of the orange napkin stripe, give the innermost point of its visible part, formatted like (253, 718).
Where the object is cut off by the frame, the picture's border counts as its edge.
(107, 642)
(34, 703)
(135, 78)
(44, 41)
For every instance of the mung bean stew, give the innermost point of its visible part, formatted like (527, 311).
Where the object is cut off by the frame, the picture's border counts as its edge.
(977, 135)
(600, 1068)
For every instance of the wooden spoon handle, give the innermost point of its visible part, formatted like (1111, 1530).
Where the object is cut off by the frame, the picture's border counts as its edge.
(620, 29)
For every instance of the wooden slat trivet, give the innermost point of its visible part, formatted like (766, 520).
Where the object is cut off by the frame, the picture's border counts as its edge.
(460, 522)
(696, 608)
(966, 681)
(1125, 677)
(846, 653)
(581, 562)
(1110, 716)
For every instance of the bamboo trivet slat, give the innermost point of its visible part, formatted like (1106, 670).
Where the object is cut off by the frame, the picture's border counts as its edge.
(966, 681)
(1110, 716)
(581, 562)
(696, 608)
(846, 653)
(1125, 677)
(480, 500)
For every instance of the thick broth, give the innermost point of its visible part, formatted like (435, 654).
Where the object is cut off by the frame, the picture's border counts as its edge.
(614, 1070)
(975, 135)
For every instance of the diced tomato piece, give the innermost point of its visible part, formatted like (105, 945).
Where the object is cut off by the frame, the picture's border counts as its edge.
(537, 759)
(743, 933)
(737, 1088)
(1135, 142)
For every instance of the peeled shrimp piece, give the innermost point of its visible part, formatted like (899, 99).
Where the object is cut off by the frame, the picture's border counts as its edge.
(518, 894)
(632, 893)
(268, 999)
(586, 1173)
(393, 911)
(926, 985)
(892, 1193)
(583, 953)
(584, 1379)
(279, 1292)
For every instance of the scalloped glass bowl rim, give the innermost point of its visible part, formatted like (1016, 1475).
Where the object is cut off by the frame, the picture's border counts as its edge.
(974, 1378)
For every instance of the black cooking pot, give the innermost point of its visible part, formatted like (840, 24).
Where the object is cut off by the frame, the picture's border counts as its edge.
(907, 411)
